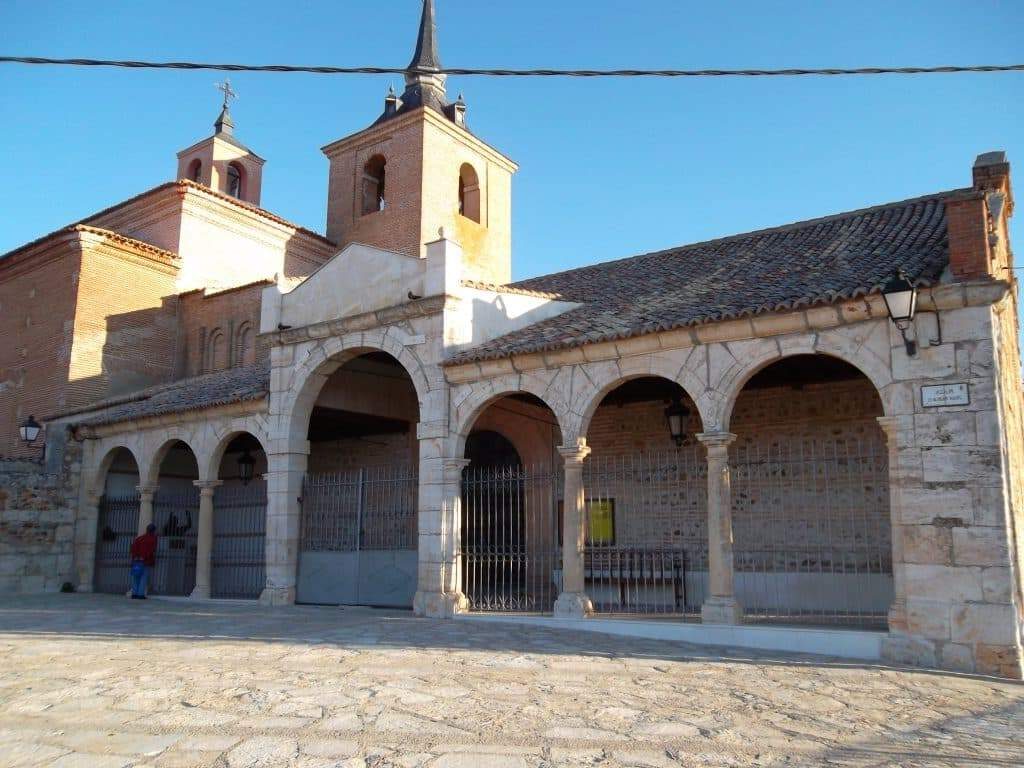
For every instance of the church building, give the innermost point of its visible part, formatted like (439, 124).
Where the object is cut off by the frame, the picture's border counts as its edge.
(803, 438)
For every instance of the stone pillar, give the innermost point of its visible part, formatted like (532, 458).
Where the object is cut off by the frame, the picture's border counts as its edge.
(573, 601)
(721, 606)
(146, 494)
(899, 433)
(439, 586)
(85, 539)
(204, 539)
(285, 472)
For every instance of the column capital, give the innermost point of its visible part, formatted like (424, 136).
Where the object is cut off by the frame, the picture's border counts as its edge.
(146, 490)
(892, 426)
(207, 486)
(575, 454)
(454, 465)
(716, 441)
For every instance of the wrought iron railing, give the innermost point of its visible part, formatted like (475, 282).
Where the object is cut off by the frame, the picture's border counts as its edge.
(812, 532)
(116, 527)
(239, 540)
(510, 558)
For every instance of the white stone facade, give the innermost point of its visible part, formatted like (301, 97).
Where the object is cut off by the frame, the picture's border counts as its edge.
(956, 565)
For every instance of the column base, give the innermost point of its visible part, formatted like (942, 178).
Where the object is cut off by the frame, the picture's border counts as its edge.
(274, 596)
(897, 617)
(439, 605)
(721, 610)
(83, 588)
(573, 605)
(200, 593)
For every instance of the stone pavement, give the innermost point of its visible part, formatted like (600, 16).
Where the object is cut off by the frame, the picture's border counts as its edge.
(98, 681)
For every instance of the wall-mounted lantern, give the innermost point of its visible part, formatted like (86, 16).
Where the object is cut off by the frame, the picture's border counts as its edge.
(676, 415)
(29, 431)
(901, 300)
(246, 467)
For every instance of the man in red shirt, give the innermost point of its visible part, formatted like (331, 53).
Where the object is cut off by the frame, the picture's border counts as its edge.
(143, 556)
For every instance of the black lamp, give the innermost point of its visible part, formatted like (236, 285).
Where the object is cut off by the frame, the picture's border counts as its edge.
(29, 431)
(901, 300)
(676, 415)
(246, 467)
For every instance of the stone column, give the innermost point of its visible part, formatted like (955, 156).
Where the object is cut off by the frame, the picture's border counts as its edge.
(85, 539)
(146, 494)
(285, 472)
(573, 601)
(899, 433)
(439, 586)
(204, 539)
(721, 606)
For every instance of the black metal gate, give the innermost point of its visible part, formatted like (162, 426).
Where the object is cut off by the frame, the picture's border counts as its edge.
(239, 540)
(511, 559)
(359, 537)
(176, 514)
(116, 527)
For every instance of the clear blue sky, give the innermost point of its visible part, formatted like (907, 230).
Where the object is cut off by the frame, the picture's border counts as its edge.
(609, 167)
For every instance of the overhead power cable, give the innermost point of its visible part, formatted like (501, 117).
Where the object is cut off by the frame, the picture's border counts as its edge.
(289, 68)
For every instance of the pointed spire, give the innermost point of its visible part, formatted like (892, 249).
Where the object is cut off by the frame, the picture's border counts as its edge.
(426, 58)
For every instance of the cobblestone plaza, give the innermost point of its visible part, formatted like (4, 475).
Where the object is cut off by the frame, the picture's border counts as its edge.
(95, 680)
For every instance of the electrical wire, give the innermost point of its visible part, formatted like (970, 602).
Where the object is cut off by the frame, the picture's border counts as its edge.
(289, 68)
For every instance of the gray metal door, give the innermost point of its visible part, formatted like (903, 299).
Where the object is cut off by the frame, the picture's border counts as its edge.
(176, 514)
(359, 537)
(117, 525)
(239, 541)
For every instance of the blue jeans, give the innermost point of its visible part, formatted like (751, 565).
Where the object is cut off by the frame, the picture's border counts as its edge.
(140, 580)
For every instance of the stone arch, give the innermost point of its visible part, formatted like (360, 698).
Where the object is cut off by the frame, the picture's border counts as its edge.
(209, 465)
(734, 379)
(98, 479)
(481, 396)
(149, 471)
(309, 377)
(610, 378)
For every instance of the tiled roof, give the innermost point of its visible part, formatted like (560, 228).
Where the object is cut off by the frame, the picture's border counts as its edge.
(812, 262)
(234, 385)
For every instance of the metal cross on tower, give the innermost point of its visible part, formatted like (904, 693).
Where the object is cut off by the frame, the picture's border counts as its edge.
(228, 92)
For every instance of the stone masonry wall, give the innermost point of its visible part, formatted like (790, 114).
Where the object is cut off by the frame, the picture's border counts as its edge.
(38, 502)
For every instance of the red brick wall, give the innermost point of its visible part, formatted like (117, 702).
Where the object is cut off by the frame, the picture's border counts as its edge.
(125, 328)
(220, 330)
(37, 311)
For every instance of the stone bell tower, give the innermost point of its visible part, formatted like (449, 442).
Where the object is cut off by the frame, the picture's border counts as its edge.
(222, 162)
(418, 169)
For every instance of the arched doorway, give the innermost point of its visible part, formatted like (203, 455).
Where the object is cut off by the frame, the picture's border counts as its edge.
(810, 496)
(176, 516)
(510, 553)
(645, 487)
(238, 554)
(117, 523)
(359, 523)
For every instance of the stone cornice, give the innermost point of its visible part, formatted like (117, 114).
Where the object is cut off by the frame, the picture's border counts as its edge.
(365, 321)
(809, 320)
